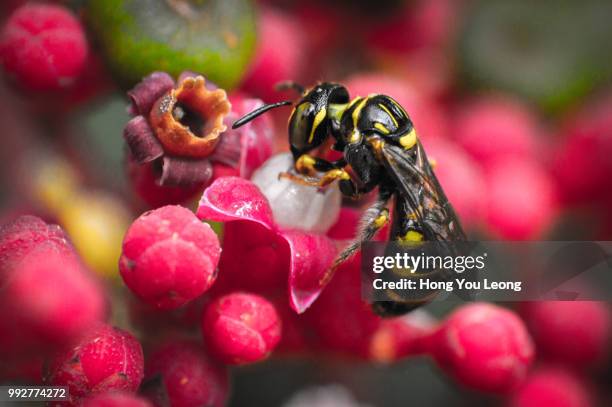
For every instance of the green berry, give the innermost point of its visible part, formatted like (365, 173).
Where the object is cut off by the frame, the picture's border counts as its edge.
(215, 38)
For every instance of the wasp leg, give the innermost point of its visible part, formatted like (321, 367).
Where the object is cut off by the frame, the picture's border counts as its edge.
(372, 220)
(308, 167)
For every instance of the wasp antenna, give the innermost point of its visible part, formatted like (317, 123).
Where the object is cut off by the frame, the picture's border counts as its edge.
(285, 85)
(258, 112)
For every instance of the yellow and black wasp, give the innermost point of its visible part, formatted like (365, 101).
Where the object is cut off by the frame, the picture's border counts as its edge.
(380, 149)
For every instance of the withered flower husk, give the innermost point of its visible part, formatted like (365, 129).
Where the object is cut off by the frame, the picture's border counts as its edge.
(145, 93)
(141, 141)
(177, 171)
(189, 119)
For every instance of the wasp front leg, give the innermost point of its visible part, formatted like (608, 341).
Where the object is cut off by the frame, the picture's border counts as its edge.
(308, 169)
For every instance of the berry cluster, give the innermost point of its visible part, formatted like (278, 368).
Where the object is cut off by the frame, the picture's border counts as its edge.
(164, 256)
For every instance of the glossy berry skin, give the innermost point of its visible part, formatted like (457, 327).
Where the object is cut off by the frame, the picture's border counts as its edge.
(484, 347)
(47, 298)
(575, 333)
(552, 386)
(169, 257)
(43, 47)
(521, 200)
(461, 178)
(105, 359)
(279, 55)
(492, 128)
(241, 328)
(180, 374)
(116, 399)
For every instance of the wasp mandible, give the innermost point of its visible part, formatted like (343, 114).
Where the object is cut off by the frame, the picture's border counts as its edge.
(381, 148)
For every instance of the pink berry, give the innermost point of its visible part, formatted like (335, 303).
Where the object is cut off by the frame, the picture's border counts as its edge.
(169, 257)
(43, 47)
(341, 320)
(48, 298)
(577, 333)
(279, 55)
(461, 179)
(105, 359)
(484, 347)
(491, 128)
(116, 399)
(429, 118)
(521, 200)
(551, 386)
(582, 162)
(419, 24)
(181, 374)
(144, 181)
(401, 337)
(241, 328)
(20, 236)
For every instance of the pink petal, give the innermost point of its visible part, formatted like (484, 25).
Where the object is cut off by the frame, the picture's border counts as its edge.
(143, 144)
(256, 143)
(311, 259)
(256, 137)
(147, 91)
(234, 198)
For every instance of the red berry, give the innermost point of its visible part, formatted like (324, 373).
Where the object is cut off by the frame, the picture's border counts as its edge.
(19, 237)
(582, 162)
(551, 387)
(279, 55)
(116, 399)
(417, 25)
(401, 337)
(43, 47)
(241, 328)
(342, 322)
(484, 347)
(461, 179)
(521, 200)
(47, 297)
(492, 128)
(577, 333)
(169, 257)
(144, 180)
(428, 118)
(105, 359)
(181, 374)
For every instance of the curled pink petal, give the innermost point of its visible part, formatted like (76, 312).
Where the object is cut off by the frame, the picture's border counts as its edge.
(256, 137)
(185, 171)
(143, 144)
(311, 257)
(151, 88)
(234, 198)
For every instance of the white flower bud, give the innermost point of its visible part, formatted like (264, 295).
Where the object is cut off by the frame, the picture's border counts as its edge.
(297, 206)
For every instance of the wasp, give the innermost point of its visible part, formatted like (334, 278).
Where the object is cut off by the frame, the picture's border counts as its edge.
(380, 149)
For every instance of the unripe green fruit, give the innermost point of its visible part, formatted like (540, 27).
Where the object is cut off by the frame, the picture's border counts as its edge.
(215, 38)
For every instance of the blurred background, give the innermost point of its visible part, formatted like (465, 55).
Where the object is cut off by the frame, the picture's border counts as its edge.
(512, 100)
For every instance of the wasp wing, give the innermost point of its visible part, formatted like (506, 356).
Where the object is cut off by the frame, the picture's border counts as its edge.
(418, 186)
